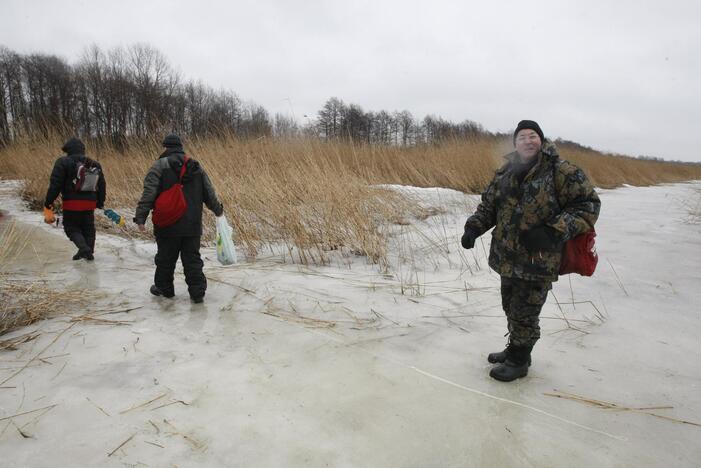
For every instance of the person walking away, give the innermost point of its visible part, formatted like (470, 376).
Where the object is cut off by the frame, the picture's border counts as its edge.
(182, 237)
(81, 183)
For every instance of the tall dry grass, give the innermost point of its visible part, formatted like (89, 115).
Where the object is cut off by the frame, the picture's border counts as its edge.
(295, 194)
(610, 171)
(313, 196)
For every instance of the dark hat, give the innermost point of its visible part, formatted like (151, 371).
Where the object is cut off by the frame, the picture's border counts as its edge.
(172, 141)
(529, 125)
(73, 146)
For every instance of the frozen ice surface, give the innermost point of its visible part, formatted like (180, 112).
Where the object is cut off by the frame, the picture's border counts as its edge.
(347, 365)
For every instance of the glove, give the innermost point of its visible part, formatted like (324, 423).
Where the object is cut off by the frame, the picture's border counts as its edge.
(468, 239)
(49, 217)
(541, 238)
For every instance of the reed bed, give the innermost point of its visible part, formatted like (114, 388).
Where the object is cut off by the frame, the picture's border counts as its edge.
(314, 197)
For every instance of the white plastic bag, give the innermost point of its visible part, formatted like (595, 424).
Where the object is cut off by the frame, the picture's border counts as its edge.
(226, 252)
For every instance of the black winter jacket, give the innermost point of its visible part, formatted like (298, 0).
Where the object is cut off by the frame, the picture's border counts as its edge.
(61, 182)
(197, 189)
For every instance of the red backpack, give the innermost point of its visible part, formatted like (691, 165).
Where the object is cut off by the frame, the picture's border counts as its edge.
(579, 253)
(170, 205)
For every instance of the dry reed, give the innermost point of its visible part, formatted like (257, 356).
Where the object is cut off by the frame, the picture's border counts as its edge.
(314, 197)
(25, 301)
(616, 407)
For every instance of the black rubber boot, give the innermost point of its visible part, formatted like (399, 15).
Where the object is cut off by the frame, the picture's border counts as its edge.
(84, 253)
(497, 358)
(197, 300)
(157, 292)
(515, 366)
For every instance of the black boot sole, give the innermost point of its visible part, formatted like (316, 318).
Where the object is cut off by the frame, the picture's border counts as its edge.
(86, 254)
(510, 378)
(158, 293)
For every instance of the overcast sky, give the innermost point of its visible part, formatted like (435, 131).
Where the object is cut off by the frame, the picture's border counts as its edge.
(621, 76)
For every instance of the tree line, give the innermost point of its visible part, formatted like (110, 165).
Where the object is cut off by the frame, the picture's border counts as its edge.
(113, 95)
(337, 120)
(134, 92)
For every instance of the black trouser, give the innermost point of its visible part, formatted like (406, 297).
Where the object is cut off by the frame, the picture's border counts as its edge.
(522, 302)
(188, 248)
(80, 229)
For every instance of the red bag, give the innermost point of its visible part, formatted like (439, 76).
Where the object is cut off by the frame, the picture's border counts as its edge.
(170, 205)
(579, 255)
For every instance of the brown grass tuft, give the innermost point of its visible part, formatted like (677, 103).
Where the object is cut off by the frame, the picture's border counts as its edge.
(25, 301)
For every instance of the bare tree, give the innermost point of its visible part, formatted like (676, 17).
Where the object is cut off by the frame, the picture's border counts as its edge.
(285, 126)
(330, 117)
(406, 125)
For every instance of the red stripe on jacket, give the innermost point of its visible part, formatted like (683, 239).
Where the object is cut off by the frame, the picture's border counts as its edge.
(79, 205)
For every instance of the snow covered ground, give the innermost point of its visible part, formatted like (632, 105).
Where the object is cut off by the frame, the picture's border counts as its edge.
(352, 365)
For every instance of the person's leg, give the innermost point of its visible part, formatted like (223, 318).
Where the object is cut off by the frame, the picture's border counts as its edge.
(507, 290)
(88, 229)
(166, 257)
(72, 226)
(192, 266)
(526, 302)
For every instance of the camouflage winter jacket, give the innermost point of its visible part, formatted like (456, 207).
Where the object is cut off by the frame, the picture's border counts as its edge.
(554, 193)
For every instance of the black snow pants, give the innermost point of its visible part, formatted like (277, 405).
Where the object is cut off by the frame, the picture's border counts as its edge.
(79, 226)
(188, 248)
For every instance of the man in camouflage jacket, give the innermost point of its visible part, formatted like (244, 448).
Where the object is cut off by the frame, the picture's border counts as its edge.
(535, 202)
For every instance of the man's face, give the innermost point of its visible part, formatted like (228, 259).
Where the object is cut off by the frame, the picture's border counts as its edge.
(527, 144)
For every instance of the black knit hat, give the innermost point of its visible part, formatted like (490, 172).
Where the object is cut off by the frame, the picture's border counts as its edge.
(172, 141)
(529, 125)
(73, 146)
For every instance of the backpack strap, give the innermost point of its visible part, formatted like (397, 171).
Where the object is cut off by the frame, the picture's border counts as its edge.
(183, 169)
(557, 189)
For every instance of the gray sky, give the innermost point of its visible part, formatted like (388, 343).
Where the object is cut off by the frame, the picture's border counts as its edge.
(622, 76)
